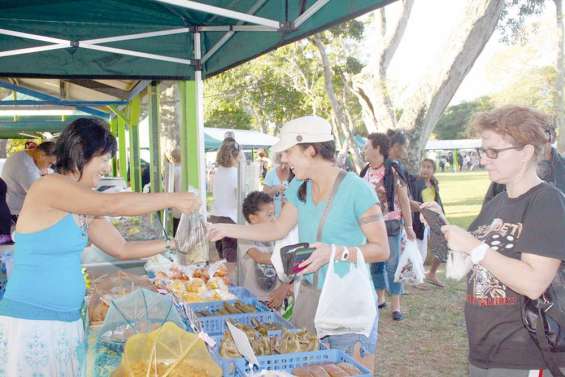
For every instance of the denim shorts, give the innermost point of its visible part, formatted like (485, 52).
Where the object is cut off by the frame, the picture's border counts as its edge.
(346, 342)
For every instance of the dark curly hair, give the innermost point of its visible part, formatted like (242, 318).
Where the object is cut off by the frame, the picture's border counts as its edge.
(253, 201)
(82, 140)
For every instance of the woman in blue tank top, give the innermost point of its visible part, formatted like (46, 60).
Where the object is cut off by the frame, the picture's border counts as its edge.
(41, 333)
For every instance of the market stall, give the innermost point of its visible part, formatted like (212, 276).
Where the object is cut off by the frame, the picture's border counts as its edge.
(103, 62)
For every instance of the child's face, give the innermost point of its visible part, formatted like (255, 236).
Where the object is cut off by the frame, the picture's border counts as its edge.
(427, 170)
(266, 214)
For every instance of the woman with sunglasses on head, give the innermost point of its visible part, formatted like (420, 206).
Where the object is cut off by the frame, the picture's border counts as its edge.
(516, 245)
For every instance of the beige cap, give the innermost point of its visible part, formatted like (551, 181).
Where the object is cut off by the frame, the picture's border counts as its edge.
(308, 129)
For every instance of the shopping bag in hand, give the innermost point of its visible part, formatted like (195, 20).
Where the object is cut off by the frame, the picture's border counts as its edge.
(192, 244)
(410, 268)
(458, 265)
(347, 304)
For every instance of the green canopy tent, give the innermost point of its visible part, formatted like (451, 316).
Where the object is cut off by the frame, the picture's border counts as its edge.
(156, 39)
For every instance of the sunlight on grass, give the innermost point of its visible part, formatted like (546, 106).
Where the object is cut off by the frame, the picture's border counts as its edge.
(462, 195)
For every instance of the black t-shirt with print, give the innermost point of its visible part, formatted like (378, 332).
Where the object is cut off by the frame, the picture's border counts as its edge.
(532, 223)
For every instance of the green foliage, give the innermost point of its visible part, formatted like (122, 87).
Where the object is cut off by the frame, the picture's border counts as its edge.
(17, 145)
(513, 18)
(228, 115)
(454, 123)
(287, 83)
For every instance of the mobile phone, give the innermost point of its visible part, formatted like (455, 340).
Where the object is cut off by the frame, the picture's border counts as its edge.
(435, 220)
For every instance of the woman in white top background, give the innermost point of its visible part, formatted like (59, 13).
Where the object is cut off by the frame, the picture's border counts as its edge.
(225, 195)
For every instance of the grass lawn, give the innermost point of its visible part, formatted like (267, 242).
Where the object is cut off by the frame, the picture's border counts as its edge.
(431, 341)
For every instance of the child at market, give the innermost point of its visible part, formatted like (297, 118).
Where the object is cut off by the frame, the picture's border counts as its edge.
(256, 271)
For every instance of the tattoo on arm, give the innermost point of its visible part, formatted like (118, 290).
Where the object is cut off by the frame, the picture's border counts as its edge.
(371, 218)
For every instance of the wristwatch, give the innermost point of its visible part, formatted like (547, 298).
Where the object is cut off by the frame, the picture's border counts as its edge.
(345, 254)
(478, 253)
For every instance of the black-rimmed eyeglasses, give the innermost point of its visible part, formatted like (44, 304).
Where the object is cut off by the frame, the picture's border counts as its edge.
(492, 153)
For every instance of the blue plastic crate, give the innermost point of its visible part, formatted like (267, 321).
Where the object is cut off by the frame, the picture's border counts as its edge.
(288, 362)
(241, 292)
(214, 306)
(229, 365)
(217, 325)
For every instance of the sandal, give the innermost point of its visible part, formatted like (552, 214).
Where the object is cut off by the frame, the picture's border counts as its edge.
(435, 282)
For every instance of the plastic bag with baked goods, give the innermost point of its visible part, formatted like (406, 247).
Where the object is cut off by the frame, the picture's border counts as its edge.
(168, 351)
(138, 312)
(192, 244)
(108, 287)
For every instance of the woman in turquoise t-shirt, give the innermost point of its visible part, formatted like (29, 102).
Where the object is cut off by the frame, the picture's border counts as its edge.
(41, 331)
(355, 219)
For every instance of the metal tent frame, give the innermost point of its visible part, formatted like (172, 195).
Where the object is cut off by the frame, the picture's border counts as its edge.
(192, 125)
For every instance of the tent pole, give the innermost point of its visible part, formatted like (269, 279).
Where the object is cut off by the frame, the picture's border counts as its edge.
(154, 147)
(114, 131)
(122, 152)
(187, 143)
(134, 110)
(192, 130)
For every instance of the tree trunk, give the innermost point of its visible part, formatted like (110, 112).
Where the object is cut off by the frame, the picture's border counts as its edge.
(559, 106)
(424, 108)
(371, 85)
(340, 116)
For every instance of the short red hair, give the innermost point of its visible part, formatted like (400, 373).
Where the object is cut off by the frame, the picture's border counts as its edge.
(523, 125)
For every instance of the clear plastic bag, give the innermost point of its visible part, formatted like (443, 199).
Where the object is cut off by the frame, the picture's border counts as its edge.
(141, 311)
(458, 265)
(192, 244)
(410, 268)
(167, 352)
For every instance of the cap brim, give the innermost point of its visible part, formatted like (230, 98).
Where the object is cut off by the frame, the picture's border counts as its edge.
(283, 144)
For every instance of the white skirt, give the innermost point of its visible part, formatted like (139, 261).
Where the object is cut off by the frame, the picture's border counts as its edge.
(31, 348)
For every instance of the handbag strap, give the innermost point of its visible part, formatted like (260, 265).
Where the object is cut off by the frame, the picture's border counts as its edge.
(544, 346)
(340, 176)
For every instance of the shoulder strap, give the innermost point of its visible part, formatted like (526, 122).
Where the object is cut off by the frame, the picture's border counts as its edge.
(324, 217)
(326, 213)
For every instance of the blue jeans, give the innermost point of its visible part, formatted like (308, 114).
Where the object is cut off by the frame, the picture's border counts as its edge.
(383, 272)
(346, 342)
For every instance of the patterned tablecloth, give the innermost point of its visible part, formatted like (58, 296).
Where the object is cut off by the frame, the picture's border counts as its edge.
(100, 361)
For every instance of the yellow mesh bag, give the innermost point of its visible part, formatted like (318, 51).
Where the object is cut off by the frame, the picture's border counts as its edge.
(168, 351)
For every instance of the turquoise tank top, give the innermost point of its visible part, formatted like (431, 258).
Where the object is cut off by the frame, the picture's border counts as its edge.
(46, 281)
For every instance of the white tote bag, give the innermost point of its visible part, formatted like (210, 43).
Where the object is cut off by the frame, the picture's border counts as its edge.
(347, 304)
(410, 268)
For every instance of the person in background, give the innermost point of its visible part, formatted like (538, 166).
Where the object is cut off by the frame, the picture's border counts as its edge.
(5, 217)
(225, 195)
(425, 189)
(40, 314)
(22, 169)
(398, 149)
(515, 245)
(255, 269)
(386, 179)
(264, 163)
(276, 181)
